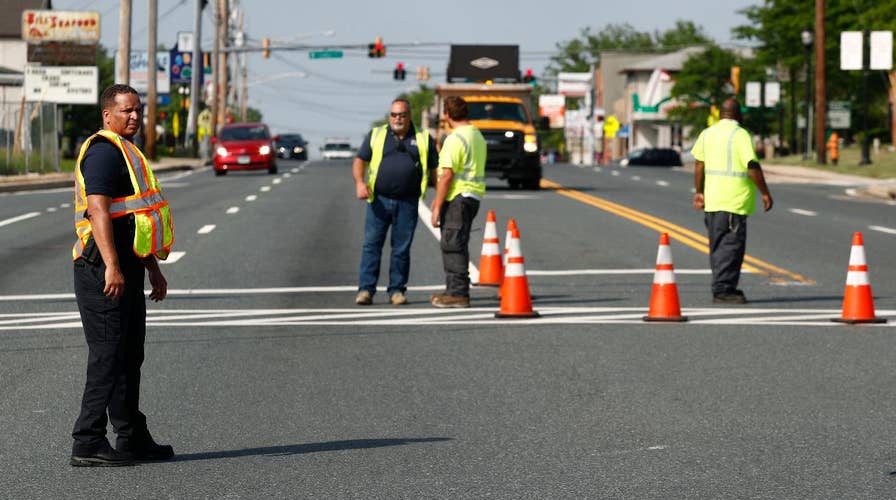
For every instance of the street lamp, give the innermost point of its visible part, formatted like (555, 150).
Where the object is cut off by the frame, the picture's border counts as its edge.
(806, 37)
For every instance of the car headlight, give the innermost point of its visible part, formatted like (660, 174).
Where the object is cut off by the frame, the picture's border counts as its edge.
(265, 150)
(531, 143)
(297, 149)
(222, 151)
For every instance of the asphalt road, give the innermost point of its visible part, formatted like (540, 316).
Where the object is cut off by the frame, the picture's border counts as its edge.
(271, 383)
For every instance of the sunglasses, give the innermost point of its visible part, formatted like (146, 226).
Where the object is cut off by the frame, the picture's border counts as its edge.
(403, 114)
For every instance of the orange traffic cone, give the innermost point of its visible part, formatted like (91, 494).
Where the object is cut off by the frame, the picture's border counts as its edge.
(515, 299)
(491, 269)
(858, 306)
(511, 226)
(664, 298)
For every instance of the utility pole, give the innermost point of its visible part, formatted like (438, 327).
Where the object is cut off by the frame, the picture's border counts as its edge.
(820, 95)
(124, 43)
(223, 72)
(151, 91)
(198, 71)
(244, 73)
(216, 53)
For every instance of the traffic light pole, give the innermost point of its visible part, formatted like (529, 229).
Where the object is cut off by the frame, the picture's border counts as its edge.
(195, 95)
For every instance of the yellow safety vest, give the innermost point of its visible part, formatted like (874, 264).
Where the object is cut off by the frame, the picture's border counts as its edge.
(464, 152)
(153, 227)
(726, 149)
(378, 141)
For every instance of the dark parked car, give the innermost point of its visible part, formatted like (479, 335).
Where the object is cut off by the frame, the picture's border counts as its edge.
(655, 157)
(292, 146)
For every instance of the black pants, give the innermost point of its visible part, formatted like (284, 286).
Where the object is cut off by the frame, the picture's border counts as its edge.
(727, 245)
(115, 330)
(456, 221)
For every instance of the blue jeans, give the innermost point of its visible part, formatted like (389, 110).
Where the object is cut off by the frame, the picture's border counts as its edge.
(401, 214)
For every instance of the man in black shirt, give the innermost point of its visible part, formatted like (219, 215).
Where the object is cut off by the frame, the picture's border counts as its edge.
(396, 158)
(109, 289)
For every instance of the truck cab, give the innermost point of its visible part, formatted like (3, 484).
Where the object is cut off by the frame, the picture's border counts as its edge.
(501, 113)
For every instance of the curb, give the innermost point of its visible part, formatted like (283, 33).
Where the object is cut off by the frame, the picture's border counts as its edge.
(30, 182)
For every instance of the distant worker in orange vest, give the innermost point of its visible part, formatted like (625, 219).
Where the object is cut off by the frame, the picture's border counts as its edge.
(833, 147)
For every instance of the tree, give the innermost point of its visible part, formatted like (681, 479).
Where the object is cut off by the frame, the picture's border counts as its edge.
(702, 81)
(84, 120)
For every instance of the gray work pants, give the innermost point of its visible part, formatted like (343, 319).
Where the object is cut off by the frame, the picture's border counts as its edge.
(727, 245)
(456, 221)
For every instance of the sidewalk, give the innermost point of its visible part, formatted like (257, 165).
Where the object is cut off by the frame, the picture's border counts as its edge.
(11, 183)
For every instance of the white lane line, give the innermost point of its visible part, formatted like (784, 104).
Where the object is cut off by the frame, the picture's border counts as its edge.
(251, 197)
(598, 169)
(636, 177)
(206, 229)
(173, 257)
(287, 175)
(516, 197)
(51, 209)
(615, 173)
(276, 181)
(265, 189)
(65, 205)
(883, 229)
(233, 210)
(426, 216)
(295, 170)
(800, 211)
(662, 183)
(22, 217)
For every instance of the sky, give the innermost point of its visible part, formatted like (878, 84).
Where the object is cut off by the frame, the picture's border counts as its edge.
(341, 97)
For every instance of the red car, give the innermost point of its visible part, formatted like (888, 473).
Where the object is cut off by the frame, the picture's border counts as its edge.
(244, 146)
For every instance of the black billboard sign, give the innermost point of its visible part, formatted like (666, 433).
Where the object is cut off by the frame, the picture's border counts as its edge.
(478, 63)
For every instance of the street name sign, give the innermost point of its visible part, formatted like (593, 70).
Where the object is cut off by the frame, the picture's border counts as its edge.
(325, 54)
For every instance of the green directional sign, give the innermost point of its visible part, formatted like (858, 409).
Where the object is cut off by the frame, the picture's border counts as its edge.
(325, 54)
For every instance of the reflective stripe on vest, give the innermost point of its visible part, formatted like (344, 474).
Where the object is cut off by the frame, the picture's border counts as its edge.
(378, 142)
(469, 174)
(729, 168)
(154, 229)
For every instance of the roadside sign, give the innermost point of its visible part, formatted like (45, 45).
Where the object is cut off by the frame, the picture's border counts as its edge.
(181, 71)
(60, 25)
(325, 54)
(851, 50)
(573, 84)
(611, 126)
(772, 94)
(61, 84)
(753, 91)
(552, 106)
(62, 53)
(140, 70)
(881, 50)
(839, 114)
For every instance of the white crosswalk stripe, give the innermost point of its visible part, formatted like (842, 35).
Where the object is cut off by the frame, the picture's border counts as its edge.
(410, 316)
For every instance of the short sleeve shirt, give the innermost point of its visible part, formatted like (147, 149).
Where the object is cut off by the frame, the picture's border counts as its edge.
(399, 173)
(106, 173)
(726, 150)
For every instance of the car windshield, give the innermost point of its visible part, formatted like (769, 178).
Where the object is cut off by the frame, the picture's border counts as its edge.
(337, 147)
(245, 134)
(290, 138)
(638, 153)
(510, 111)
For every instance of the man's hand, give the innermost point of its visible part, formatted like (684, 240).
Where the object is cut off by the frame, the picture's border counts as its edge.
(114, 282)
(698, 201)
(767, 202)
(436, 215)
(361, 191)
(159, 285)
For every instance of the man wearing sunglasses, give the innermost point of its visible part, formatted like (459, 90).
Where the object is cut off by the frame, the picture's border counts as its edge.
(391, 174)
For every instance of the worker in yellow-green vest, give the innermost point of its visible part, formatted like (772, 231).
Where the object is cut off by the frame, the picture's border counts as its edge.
(726, 175)
(123, 225)
(391, 171)
(459, 189)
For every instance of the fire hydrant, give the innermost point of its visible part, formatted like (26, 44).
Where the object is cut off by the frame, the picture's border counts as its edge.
(833, 147)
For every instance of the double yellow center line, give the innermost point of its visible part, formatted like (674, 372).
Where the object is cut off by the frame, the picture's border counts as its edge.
(683, 235)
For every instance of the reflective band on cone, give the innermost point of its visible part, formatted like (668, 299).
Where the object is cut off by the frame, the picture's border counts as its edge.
(491, 269)
(511, 226)
(858, 304)
(664, 304)
(515, 299)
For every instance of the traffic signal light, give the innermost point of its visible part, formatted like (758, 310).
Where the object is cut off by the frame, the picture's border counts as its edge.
(266, 47)
(425, 73)
(376, 49)
(529, 77)
(735, 79)
(399, 72)
(419, 73)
